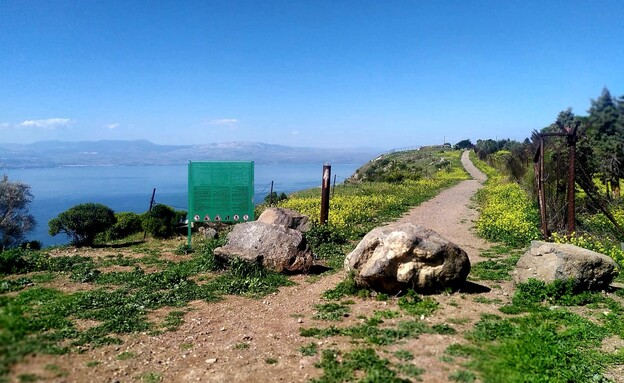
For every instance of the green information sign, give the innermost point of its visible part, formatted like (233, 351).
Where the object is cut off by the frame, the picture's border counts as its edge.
(220, 191)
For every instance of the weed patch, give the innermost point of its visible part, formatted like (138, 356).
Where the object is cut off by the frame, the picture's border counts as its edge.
(331, 311)
(363, 363)
(415, 305)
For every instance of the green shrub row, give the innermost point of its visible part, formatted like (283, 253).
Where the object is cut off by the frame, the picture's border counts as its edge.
(88, 223)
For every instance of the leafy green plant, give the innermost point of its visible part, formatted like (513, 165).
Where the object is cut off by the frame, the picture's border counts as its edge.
(127, 223)
(162, 221)
(309, 349)
(270, 361)
(83, 222)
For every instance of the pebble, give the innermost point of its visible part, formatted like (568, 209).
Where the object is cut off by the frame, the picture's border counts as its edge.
(211, 361)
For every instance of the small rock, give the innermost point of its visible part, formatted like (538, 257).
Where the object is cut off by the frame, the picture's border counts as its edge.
(300, 320)
(211, 361)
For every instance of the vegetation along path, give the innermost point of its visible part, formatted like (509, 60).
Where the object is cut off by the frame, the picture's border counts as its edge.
(239, 339)
(450, 212)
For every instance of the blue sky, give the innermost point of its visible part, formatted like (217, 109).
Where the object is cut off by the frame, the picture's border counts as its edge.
(382, 74)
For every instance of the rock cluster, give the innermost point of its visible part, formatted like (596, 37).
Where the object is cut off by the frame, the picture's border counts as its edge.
(271, 241)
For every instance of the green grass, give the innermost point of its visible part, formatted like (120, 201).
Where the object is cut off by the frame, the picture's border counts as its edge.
(331, 311)
(309, 349)
(544, 341)
(126, 355)
(151, 377)
(404, 355)
(241, 346)
(371, 331)
(462, 376)
(42, 320)
(361, 363)
(415, 305)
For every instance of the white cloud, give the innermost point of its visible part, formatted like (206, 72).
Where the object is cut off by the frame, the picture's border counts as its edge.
(227, 122)
(112, 126)
(50, 123)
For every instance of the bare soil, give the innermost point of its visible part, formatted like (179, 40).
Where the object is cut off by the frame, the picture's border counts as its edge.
(257, 340)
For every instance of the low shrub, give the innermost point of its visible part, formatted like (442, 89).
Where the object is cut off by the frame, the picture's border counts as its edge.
(128, 223)
(162, 221)
(82, 223)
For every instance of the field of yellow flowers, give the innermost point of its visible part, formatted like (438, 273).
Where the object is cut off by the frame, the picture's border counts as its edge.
(357, 208)
(509, 216)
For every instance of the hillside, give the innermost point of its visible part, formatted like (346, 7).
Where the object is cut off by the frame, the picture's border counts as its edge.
(142, 152)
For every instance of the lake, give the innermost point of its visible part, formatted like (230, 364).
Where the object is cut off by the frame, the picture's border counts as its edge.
(129, 188)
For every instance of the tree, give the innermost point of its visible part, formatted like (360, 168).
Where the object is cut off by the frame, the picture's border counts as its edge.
(15, 221)
(275, 198)
(464, 144)
(83, 222)
(606, 134)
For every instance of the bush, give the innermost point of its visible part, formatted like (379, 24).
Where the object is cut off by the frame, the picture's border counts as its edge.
(162, 221)
(83, 222)
(128, 223)
(275, 198)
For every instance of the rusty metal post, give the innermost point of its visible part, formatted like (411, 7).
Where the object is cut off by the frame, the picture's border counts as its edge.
(539, 180)
(271, 195)
(325, 189)
(150, 209)
(571, 138)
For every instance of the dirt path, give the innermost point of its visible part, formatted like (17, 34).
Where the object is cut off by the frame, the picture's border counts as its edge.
(452, 214)
(246, 340)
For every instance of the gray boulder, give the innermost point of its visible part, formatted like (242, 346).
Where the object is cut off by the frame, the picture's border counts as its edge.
(285, 217)
(395, 258)
(548, 262)
(207, 232)
(275, 247)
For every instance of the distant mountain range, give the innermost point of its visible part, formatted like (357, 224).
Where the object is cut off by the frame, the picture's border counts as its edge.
(142, 152)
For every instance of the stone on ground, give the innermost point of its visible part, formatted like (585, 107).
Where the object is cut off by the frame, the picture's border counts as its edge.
(285, 217)
(392, 259)
(276, 247)
(548, 262)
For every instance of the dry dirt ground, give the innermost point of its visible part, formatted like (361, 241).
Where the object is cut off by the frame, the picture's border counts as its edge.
(257, 340)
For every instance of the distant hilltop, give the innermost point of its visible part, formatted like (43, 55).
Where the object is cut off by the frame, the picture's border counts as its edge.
(143, 152)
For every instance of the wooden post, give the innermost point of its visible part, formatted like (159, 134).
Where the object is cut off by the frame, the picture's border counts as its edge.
(325, 188)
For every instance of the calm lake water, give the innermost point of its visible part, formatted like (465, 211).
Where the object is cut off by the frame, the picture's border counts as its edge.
(129, 188)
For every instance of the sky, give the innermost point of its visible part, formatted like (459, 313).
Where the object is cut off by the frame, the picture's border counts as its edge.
(378, 74)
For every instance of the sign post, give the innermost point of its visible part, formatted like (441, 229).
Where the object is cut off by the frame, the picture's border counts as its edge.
(220, 192)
